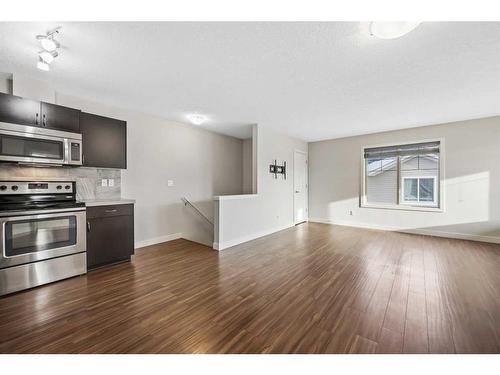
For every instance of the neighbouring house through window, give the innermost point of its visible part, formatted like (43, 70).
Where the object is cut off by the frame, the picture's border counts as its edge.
(402, 175)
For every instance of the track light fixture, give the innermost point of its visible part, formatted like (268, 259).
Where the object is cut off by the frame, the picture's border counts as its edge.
(49, 45)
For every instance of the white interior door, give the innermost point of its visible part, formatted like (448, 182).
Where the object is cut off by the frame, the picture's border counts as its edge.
(300, 187)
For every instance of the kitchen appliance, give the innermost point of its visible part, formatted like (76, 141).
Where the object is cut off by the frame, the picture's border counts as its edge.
(42, 233)
(37, 145)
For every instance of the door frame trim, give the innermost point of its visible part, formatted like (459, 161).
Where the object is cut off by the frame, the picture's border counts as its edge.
(295, 151)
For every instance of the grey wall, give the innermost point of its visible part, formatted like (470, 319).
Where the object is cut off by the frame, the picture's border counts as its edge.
(200, 163)
(471, 171)
(32, 88)
(247, 166)
(246, 217)
(6, 83)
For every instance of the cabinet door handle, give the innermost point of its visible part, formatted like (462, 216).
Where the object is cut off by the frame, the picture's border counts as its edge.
(36, 119)
(44, 124)
(88, 226)
(110, 211)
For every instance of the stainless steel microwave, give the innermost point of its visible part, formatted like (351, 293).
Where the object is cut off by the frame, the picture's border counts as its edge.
(35, 145)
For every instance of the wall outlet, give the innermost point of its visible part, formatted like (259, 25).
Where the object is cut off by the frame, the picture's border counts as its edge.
(111, 182)
(104, 182)
(170, 183)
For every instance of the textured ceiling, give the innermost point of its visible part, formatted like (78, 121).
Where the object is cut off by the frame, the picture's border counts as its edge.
(309, 80)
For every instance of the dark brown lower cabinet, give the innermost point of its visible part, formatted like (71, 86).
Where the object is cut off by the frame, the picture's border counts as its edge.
(110, 234)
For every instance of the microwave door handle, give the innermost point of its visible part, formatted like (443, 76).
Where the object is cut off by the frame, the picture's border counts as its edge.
(66, 151)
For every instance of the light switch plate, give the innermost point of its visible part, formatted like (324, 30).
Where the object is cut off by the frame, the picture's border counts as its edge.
(170, 183)
(111, 182)
(104, 182)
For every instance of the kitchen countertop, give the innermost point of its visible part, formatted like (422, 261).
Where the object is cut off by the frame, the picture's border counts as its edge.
(107, 202)
(40, 179)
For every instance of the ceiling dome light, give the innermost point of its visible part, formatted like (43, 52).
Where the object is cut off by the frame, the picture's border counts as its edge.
(42, 65)
(196, 119)
(391, 30)
(47, 57)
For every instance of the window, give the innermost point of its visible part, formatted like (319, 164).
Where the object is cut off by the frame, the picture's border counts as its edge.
(402, 175)
(419, 190)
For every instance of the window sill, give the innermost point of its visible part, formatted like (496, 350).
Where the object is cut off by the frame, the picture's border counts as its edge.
(402, 208)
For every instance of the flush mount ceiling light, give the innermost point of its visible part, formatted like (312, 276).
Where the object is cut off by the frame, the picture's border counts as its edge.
(48, 57)
(197, 119)
(49, 44)
(42, 65)
(391, 30)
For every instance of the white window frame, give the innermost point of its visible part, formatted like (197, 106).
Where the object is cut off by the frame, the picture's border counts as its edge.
(432, 203)
(405, 207)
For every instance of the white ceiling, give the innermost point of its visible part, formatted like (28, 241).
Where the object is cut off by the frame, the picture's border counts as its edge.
(309, 80)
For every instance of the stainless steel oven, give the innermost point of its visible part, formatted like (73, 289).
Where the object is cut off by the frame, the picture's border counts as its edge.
(34, 237)
(35, 145)
(42, 234)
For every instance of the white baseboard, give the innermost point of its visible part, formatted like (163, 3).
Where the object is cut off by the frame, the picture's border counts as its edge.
(226, 244)
(155, 240)
(427, 232)
(353, 224)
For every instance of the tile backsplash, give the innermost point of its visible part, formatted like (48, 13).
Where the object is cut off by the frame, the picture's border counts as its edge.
(88, 180)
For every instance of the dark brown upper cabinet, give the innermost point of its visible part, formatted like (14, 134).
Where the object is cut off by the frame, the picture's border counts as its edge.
(104, 141)
(17, 110)
(61, 118)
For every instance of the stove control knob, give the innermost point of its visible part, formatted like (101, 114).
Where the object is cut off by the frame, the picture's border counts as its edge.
(67, 187)
(58, 187)
(3, 187)
(14, 187)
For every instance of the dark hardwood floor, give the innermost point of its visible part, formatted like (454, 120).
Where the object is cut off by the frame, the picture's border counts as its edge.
(311, 289)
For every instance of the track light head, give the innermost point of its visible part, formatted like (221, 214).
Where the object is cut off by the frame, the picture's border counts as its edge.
(47, 41)
(42, 65)
(47, 57)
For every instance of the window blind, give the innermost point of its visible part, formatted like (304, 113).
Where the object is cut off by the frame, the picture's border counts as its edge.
(402, 150)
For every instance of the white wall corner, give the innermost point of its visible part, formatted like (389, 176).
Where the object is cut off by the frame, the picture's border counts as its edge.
(6, 83)
(227, 244)
(157, 240)
(33, 89)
